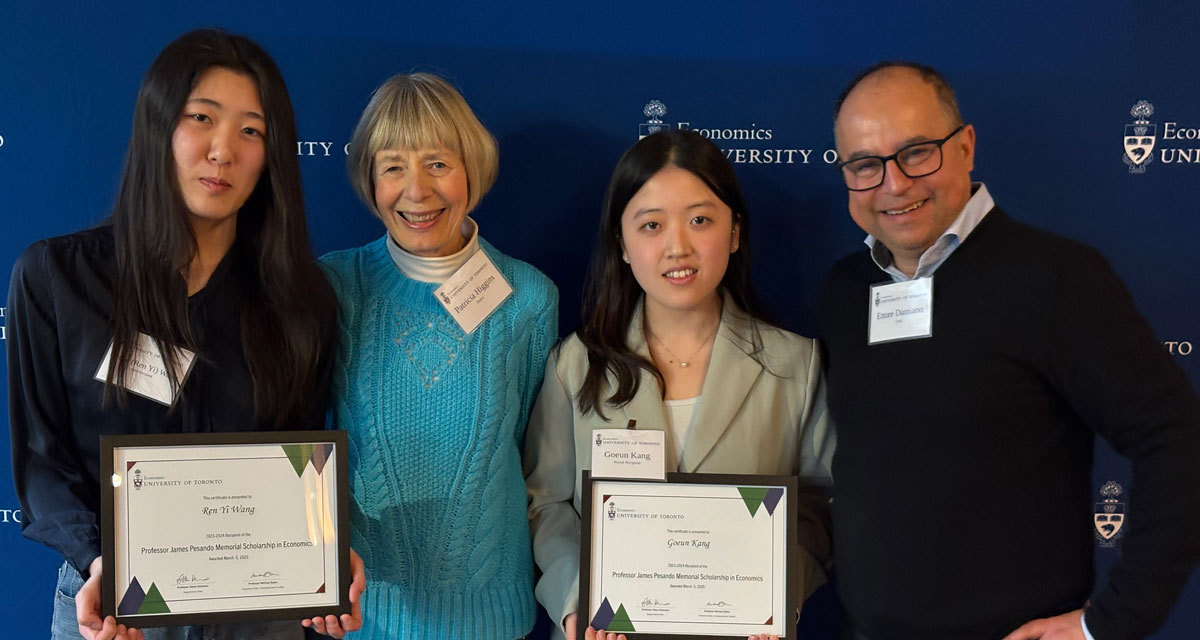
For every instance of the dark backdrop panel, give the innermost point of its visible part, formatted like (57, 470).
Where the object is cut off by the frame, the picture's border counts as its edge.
(563, 87)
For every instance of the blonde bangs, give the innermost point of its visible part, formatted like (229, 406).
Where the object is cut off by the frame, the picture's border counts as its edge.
(413, 121)
(421, 111)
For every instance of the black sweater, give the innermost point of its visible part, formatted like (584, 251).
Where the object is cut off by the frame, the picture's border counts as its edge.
(59, 310)
(963, 470)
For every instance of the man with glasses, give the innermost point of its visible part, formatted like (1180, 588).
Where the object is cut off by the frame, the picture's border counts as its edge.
(971, 359)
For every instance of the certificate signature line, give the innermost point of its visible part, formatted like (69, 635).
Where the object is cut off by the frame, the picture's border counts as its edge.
(711, 623)
(247, 596)
(211, 459)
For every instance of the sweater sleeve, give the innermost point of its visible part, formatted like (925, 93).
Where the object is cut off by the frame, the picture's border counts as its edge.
(550, 481)
(1117, 377)
(48, 475)
(544, 332)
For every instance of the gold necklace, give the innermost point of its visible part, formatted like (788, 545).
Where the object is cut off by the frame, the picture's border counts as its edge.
(685, 363)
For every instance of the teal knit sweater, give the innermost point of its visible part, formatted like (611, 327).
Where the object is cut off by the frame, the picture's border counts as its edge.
(435, 420)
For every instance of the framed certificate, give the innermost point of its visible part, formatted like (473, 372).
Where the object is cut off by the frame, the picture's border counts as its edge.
(701, 555)
(224, 527)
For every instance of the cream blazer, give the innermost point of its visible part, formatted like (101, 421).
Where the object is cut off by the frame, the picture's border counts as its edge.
(758, 414)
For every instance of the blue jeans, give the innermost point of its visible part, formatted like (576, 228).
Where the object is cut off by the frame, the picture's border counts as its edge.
(64, 624)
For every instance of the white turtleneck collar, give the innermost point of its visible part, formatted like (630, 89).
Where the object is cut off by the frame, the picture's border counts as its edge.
(435, 270)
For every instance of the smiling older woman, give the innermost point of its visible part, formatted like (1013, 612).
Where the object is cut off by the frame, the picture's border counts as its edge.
(435, 407)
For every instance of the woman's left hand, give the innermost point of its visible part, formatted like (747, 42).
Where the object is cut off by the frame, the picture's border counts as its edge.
(593, 634)
(87, 611)
(338, 627)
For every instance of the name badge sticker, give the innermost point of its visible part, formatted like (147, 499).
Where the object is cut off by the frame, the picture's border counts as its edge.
(474, 292)
(900, 311)
(629, 453)
(147, 372)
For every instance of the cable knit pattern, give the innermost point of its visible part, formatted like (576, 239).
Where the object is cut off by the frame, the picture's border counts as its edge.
(435, 420)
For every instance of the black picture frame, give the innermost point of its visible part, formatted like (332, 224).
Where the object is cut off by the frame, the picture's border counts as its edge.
(109, 444)
(791, 498)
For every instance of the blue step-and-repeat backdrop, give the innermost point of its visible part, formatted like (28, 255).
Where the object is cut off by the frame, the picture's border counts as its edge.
(563, 86)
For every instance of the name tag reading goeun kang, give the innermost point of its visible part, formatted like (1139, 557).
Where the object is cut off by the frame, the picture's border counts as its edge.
(629, 453)
(900, 311)
(474, 292)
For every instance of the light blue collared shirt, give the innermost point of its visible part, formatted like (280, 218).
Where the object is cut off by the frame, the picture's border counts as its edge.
(954, 235)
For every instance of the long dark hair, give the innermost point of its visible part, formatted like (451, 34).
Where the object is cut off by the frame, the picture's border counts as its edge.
(288, 309)
(611, 293)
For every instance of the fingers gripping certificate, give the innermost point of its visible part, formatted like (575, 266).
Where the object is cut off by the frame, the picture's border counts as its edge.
(707, 557)
(224, 530)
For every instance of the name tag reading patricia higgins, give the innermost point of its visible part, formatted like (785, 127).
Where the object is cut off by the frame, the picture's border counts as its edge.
(146, 374)
(635, 454)
(474, 292)
(900, 311)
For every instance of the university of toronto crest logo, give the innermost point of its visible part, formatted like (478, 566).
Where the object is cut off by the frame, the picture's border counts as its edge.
(137, 478)
(612, 510)
(1109, 515)
(654, 110)
(1139, 138)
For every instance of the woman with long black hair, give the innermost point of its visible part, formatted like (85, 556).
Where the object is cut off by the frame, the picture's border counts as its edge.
(205, 262)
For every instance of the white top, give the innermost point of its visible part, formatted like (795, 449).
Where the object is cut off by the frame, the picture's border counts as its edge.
(681, 415)
(436, 270)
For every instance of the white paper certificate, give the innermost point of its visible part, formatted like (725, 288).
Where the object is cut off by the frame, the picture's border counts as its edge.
(694, 559)
(210, 529)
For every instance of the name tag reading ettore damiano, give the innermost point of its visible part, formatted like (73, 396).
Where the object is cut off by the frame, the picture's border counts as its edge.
(900, 311)
(474, 292)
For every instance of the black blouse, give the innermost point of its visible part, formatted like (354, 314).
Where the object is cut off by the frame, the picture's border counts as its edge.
(60, 303)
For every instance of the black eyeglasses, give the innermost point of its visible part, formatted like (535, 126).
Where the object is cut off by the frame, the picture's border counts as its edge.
(915, 161)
